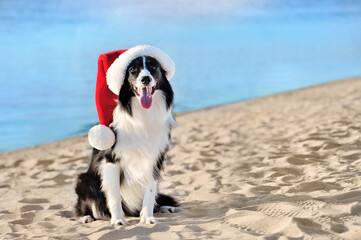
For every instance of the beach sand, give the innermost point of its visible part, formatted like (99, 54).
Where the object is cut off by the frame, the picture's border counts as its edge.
(286, 166)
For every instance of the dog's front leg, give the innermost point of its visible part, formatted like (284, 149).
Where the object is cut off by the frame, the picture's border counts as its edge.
(146, 215)
(110, 173)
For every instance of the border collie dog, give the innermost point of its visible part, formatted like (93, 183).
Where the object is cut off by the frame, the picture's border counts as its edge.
(123, 180)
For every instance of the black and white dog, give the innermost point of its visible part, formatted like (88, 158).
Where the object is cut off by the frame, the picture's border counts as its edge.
(123, 180)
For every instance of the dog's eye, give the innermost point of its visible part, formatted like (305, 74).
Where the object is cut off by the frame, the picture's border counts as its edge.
(152, 67)
(132, 69)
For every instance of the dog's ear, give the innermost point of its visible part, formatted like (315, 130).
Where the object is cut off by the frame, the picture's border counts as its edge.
(125, 94)
(164, 74)
(167, 88)
(126, 75)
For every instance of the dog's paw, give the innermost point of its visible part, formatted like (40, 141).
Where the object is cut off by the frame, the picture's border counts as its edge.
(86, 219)
(167, 209)
(148, 220)
(119, 221)
(147, 217)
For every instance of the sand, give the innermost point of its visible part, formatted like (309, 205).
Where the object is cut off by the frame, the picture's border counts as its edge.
(287, 166)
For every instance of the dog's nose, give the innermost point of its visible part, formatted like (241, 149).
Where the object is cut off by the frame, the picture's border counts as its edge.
(146, 80)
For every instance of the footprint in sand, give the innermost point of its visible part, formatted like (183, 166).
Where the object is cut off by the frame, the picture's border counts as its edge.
(22, 221)
(315, 186)
(56, 207)
(66, 214)
(257, 223)
(303, 159)
(44, 163)
(34, 200)
(308, 226)
(356, 210)
(294, 160)
(331, 145)
(45, 225)
(264, 189)
(340, 134)
(288, 174)
(28, 208)
(292, 219)
(56, 181)
(26, 219)
(352, 157)
(339, 228)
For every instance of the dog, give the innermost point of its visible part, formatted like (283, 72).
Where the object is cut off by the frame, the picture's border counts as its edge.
(123, 180)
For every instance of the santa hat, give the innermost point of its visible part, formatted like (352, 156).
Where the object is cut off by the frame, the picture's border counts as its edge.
(112, 69)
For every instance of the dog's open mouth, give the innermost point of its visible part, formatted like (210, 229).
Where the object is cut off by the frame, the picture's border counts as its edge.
(145, 96)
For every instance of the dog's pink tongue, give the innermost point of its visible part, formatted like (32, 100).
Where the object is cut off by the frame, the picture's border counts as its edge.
(146, 97)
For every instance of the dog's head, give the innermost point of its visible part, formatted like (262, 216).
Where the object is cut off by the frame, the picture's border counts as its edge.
(145, 76)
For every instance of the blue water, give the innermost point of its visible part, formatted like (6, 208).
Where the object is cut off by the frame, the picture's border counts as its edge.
(224, 51)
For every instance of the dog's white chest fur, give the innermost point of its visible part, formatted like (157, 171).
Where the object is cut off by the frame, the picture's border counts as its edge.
(140, 140)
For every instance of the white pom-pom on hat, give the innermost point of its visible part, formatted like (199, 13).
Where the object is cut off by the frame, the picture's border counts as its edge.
(101, 137)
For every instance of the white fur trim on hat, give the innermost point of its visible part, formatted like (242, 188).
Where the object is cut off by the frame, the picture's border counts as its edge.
(101, 137)
(116, 72)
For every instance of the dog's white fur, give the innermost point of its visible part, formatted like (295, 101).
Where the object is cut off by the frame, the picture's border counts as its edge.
(110, 174)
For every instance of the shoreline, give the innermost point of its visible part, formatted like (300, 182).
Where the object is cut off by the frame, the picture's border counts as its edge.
(202, 109)
(285, 165)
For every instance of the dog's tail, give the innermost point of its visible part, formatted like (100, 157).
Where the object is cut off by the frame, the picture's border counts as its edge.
(165, 200)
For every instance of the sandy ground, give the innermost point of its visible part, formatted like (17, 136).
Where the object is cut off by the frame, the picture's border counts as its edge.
(287, 166)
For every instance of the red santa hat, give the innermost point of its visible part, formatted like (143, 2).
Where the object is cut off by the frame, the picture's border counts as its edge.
(112, 67)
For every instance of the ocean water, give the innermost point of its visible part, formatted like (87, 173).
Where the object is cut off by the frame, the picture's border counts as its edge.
(224, 51)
